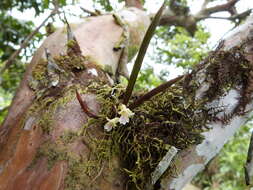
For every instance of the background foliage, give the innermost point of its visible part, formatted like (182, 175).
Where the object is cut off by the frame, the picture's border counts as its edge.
(225, 171)
(173, 46)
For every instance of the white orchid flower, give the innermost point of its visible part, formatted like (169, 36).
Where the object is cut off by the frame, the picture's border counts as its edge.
(125, 114)
(111, 123)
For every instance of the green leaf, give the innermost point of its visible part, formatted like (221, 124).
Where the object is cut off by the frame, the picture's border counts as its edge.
(142, 52)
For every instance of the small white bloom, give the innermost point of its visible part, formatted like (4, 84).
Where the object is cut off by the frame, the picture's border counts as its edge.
(54, 83)
(123, 119)
(125, 114)
(93, 72)
(111, 123)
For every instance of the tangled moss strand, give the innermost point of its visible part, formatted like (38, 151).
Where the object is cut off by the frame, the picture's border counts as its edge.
(172, 118)
(160, 123)
(176, 118)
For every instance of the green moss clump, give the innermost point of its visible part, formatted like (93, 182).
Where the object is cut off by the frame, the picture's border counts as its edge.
(175, 117)
(78, 169)
(81, 170)
(71, 63)
(164, 121)
(226, 70)
(39, 70)
(108, 69)
(46, 106)
(71, 43)
(69, 137)
(121, 43)
(172, 118)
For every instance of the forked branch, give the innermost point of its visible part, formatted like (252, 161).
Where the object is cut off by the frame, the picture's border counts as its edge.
(189, 20)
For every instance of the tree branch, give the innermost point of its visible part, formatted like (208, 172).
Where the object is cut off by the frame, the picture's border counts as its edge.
(189, 21)
(134, 3)
(91, 13)
(25, 42)
(241, 16)
(219, 8)
(193, 159)
(233, 18)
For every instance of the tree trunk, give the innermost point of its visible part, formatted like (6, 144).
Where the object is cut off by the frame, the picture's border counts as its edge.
(43, 118)
(49, 142)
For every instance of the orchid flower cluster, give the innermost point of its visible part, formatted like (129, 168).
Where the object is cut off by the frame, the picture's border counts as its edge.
(124, 112)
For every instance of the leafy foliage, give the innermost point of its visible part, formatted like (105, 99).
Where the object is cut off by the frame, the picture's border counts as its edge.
(147, 79)
(37, 5)
(179, 48)
(105, 4)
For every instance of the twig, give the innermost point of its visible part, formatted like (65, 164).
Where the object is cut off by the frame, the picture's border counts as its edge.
(141, 54)
(241, 15)
(248, 167)
(154, 92)
(217, 17)
(25, 43)
(73, 47)
(85, 107)
(232, 18)
(91, 13)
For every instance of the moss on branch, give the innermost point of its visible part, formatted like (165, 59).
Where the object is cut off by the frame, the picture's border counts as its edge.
(172, 118)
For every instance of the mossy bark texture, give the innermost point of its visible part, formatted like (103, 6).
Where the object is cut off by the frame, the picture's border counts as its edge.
(48, 142)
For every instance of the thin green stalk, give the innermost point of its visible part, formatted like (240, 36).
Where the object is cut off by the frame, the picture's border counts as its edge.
(141, 54)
